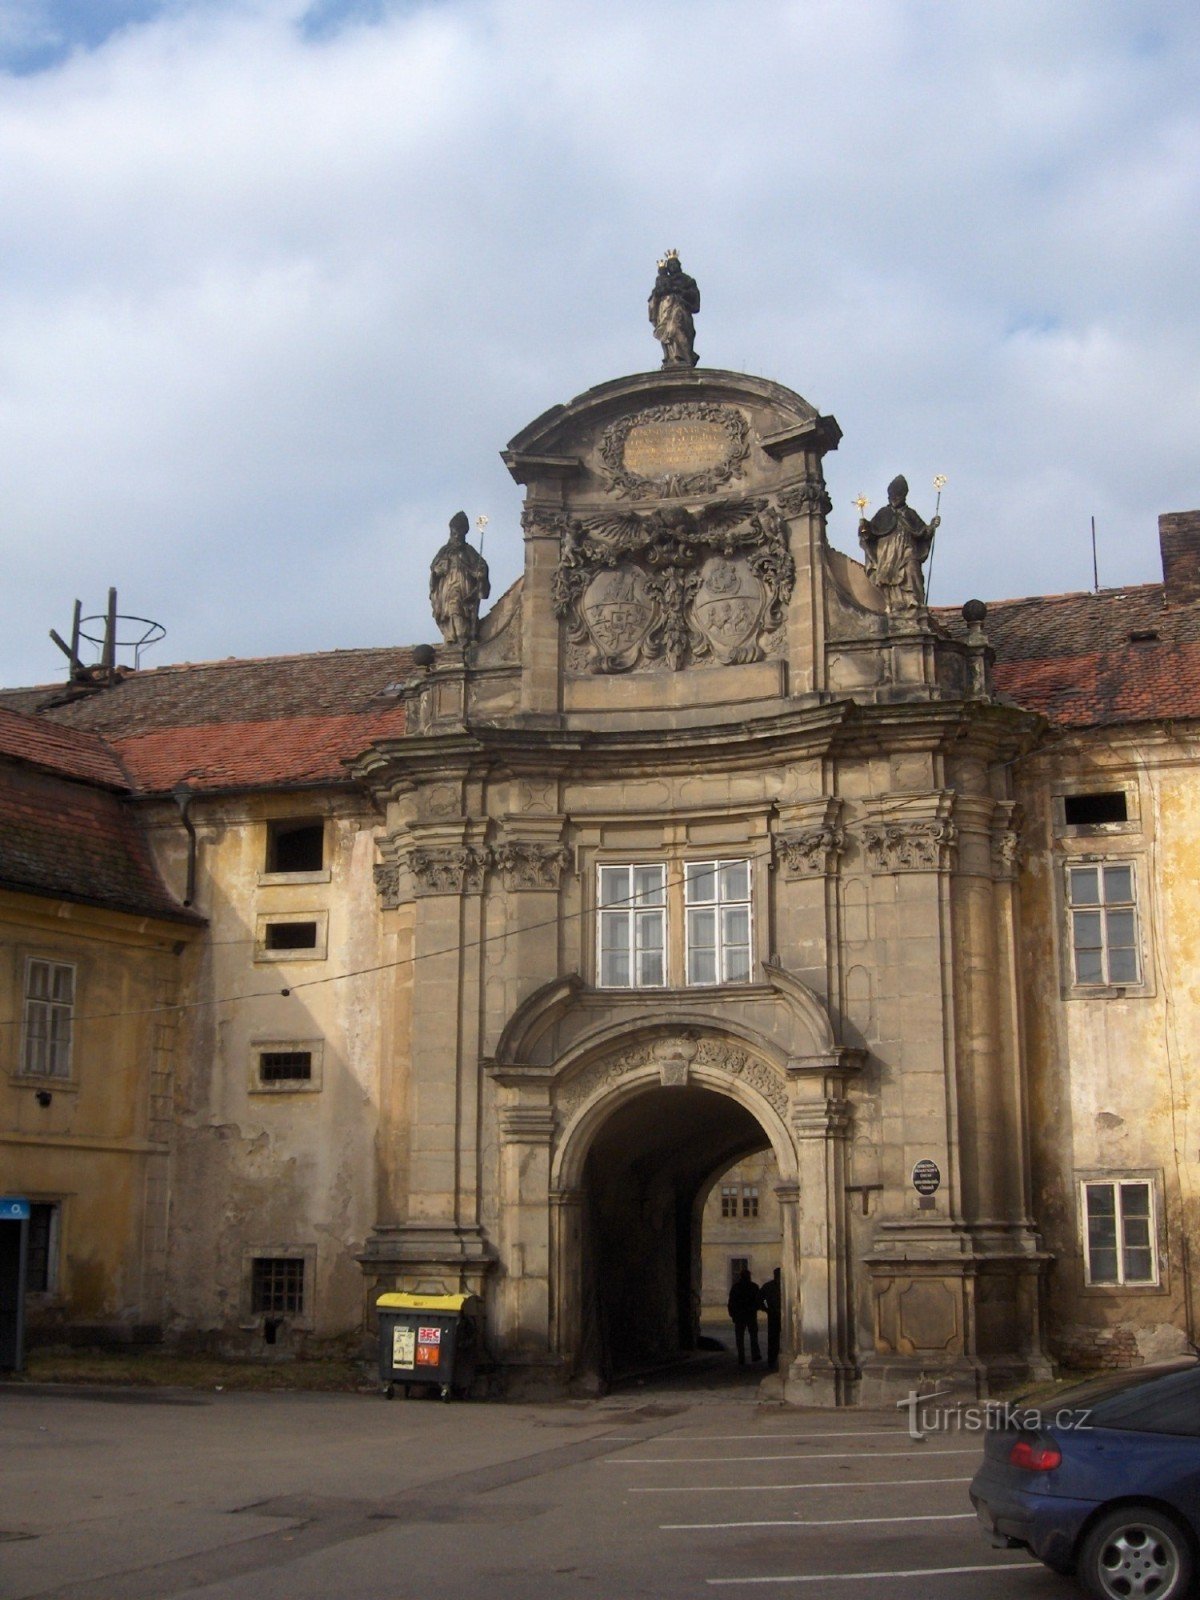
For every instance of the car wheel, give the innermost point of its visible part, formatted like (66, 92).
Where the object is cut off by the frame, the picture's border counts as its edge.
(1136, 1553)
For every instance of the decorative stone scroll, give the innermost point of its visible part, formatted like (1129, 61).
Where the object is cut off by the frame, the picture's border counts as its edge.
(675, 1057)
(809, 496)
(1007, 824)
(529, 865)
(917, 846)
(674, 587)
(387, 884)
(685, 448)
(453, 869)
(809, 853)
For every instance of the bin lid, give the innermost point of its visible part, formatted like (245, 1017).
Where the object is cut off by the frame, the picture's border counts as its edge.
(423, 1302)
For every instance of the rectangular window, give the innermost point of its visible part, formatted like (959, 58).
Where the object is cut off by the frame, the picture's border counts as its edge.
(729, 1199)
(1103, 911)
(737, 1265)
(291, 936)
(749, 1200)
(49, 1009)
(717, 904)
(633, 926)
(296, 846)
(41, 1258)
(1119, 1232)
(1092, 810)
(277, 1285)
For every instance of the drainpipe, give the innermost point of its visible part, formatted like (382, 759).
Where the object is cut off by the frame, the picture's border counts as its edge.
(183, 795)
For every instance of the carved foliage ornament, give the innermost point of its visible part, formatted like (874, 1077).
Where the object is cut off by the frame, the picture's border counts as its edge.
(698, 448)
(674, 586)
(919, 846)
(458, 869)
(807, 854)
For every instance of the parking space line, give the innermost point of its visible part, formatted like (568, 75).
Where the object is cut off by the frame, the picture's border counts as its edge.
(820, 1522)
(764, 1488)
(858, 1577)
(792, 1435)
(823, 1455)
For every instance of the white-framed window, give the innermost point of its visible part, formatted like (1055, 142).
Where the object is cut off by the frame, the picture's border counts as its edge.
(632, 936)
(48, 1018)
(1103, 922)
(730, 1193)
(663, 925)
(1119, 1232)
(717, 899)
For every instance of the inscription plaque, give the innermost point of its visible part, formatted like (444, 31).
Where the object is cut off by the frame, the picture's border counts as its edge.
(665, 449)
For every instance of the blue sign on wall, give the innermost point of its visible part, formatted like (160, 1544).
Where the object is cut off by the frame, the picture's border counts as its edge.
(12, 1209)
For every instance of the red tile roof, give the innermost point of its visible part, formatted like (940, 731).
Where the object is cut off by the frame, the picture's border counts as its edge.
(76, 841)
(70, 752)
(1096, 660)
(266, 723)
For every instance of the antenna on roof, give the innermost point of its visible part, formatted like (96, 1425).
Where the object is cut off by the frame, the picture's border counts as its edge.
(138, 637)
(1095, 568)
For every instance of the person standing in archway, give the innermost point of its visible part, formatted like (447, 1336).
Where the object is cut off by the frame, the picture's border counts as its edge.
(771, 1295)
(743, 1309)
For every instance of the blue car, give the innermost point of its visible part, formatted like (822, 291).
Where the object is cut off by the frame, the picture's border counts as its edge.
(1103, 1482)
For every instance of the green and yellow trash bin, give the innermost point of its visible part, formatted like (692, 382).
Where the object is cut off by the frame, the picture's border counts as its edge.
(432, 1339)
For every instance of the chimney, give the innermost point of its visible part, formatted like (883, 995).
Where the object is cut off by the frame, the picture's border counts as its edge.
(1179, 541)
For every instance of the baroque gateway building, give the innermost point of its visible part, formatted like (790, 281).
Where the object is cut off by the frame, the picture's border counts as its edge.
(707, 840)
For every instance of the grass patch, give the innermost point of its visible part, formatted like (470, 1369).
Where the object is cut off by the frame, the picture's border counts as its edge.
(162, 1369)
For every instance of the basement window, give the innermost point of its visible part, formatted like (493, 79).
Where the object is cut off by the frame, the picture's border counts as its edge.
(1089, 810)
(277, 1286)
(285, 1066)
(296, 845)
(298, 936)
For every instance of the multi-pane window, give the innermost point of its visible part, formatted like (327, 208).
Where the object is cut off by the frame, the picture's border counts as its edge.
(49, 1006)
(285, 1066)
(1118, 1231)
(277, 1285)
(717, 901)
(1103, 912)
(749, 1200)
(729, 1199)
(633, 926)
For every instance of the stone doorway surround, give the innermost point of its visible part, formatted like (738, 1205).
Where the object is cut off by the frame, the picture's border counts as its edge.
(550, 1116)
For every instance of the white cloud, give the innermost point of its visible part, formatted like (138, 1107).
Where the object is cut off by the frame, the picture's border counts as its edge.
(274, 303)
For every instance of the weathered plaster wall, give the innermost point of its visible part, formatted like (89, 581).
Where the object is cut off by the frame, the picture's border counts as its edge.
(1113, 1073)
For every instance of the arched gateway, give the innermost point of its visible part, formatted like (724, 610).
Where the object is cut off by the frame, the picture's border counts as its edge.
(705, 842)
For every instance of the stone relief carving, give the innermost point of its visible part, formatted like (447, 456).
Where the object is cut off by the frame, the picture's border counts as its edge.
(918, 846)
(387, 884)
(699, 447)
(452, 869)
(528, 865)
(674, 1057)
(674, 587)
(442, 800)
(807, 853)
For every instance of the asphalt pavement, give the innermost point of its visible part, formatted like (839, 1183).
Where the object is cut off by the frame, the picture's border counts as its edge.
(684, 1486)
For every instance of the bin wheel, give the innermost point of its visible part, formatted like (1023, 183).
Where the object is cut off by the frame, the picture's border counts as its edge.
(389, 1390)
(446, 1391)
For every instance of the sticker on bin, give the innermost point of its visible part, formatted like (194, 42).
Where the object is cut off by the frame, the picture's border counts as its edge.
(429, 1336)
(404, 1343)
(428, 1355)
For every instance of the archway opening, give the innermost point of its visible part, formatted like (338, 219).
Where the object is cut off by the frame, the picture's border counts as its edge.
(740, 1225)
(648, 1170)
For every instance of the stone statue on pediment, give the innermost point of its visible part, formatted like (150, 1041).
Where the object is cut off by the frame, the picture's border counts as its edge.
(896, 543)
(674, 300)
(458, 581)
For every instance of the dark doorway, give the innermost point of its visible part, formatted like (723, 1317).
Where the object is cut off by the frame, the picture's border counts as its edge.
(648, 1166)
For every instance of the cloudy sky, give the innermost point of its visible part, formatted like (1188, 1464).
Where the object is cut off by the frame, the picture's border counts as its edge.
(280, 278)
